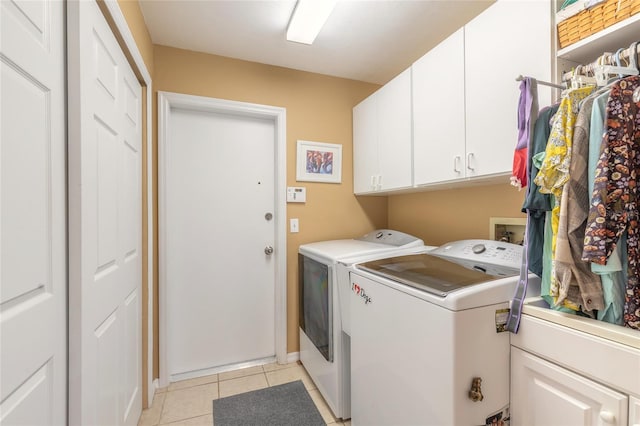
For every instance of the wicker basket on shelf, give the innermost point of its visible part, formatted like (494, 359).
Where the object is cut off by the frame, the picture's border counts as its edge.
(590, 21)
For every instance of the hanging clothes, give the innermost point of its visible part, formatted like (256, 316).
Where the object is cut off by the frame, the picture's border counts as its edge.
(614, 206)
(554, 171)
(527, 115)
(577, 283)
(536, 204)
(613, 275)
(539, 227)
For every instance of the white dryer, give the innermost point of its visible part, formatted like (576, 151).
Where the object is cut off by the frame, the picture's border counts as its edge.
(324, 306)
(428, 338)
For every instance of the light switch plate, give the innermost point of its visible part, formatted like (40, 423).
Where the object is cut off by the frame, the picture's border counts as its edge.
(294, 225)
(296, 194)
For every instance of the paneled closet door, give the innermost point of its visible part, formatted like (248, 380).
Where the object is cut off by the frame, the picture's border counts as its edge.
(438, 112)
(105, 232)
(33, 254)
(509, 39)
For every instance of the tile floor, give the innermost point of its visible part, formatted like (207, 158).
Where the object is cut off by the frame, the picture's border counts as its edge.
(188, 402)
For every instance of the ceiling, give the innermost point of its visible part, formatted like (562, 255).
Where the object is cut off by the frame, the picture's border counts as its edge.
(366, 40)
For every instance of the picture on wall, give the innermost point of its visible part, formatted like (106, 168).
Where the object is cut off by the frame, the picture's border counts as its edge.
(319, 162)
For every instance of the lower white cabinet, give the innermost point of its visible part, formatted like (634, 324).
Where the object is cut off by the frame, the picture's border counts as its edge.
(634, 411)
(571, 371)
(545, 394)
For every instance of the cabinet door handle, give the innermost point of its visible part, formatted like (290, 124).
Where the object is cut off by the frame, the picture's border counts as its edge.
(469, 158)
(456, 164)
(607, 417)
(379, 182)
(373, 182)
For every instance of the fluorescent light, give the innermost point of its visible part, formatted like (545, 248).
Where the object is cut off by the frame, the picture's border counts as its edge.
(308, 18)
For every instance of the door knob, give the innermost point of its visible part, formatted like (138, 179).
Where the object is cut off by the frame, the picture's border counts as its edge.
(268, 250)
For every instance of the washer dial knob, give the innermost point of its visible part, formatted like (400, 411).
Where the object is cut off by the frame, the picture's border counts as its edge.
(478, 248)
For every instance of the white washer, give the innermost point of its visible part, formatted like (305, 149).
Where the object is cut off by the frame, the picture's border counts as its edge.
(424, 326)
(324, 306)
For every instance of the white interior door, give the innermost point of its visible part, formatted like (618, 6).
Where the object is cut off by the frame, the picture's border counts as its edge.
(33, 281)
(220, 288)
(105, 224)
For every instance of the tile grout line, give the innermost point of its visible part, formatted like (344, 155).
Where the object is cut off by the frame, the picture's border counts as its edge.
(164, 399)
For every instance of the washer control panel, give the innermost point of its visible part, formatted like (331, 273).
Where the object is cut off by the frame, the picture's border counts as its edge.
(493, 257)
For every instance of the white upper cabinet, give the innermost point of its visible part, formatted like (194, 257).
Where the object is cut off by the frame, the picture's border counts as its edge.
(365, 146)
(453, 115)
(394, 139)
(382, 138)
(438, 113)
(509, 39)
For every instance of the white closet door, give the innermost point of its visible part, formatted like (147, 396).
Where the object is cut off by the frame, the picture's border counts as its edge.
(33, 344)
(105, 224)
(438, 112)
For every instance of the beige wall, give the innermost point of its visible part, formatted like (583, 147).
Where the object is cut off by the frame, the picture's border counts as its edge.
(442, 216)
(318, 109)
(133, 15)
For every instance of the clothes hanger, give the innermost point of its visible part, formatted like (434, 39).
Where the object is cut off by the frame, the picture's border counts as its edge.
(602, 72)
(635, 62)
(633, 55)
(581, 80)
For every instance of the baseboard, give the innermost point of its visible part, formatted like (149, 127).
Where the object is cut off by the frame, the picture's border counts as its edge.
(293, 357)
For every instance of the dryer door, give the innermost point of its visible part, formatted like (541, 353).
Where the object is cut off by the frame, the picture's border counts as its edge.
(316, 311)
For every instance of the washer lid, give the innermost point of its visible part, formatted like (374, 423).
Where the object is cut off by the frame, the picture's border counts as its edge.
(429, 273)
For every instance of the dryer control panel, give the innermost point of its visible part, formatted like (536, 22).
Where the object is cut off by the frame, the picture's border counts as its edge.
(392, 238)
(494, 257)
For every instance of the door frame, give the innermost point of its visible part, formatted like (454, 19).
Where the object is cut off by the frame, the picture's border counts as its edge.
(169, 100)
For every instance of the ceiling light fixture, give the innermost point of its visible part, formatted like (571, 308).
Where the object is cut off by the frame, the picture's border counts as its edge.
(308, 18)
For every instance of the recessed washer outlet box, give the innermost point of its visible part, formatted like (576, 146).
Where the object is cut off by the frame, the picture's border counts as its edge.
(508, 229)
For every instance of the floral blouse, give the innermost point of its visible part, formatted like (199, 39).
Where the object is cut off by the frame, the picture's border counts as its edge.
(614, 207)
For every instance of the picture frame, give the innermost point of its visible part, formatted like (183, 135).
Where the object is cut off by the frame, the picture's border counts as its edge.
(319, 162)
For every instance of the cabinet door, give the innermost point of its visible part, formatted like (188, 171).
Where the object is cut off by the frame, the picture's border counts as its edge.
(545, 394)
(438, 112)
(394, 133)
(634, 412)
(365, 145)
(509, 39)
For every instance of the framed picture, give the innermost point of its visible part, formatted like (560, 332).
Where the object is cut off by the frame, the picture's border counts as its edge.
(319, 162)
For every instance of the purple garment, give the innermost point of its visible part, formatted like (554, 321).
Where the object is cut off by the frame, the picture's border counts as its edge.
(527, 115)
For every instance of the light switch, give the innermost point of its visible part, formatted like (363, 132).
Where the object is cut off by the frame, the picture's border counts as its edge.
(296, 194)
(293, 225)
